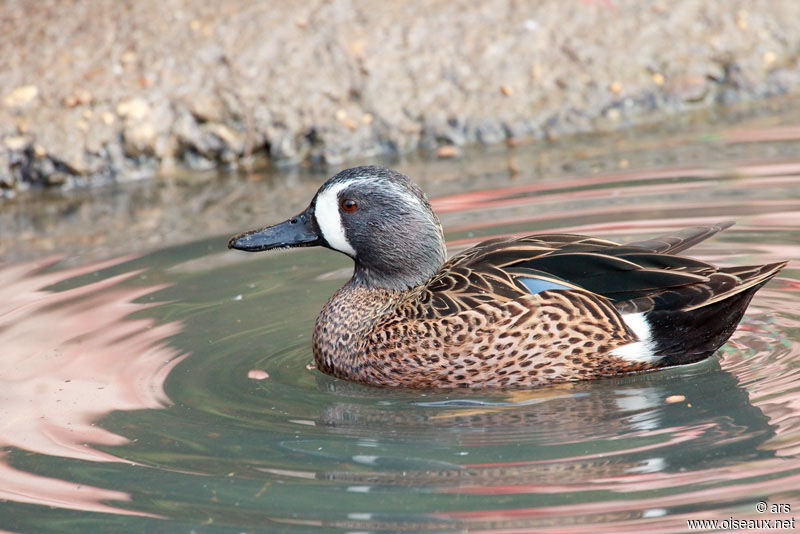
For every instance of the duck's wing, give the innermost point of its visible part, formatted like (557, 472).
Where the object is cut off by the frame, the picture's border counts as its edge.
(682, 239)
(634, 277)
(623, 307)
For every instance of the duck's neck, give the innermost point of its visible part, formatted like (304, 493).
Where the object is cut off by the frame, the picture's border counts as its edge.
(402, 267)
(342, 326)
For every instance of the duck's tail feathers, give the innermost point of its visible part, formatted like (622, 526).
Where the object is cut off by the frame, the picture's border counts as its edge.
(693, 332)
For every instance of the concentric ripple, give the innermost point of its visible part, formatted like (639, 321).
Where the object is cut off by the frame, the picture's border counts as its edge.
(171, 392)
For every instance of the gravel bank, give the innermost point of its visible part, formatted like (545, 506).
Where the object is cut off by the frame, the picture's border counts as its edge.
(93, 91)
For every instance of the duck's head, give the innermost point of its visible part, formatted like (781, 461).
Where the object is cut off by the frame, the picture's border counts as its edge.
(377, 216)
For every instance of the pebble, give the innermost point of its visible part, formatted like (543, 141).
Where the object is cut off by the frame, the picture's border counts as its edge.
(447, 151)
(133, 109)
(16, 142)
(613, 114)
(690, 88)
(21, 96)
(78, 98)
(206, 107)
(672, 399)
(257, 374)
(231, 138)
(128, 57)
(741, 19)
(141, 136)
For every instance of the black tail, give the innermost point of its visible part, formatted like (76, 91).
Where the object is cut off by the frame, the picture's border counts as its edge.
(694, 331)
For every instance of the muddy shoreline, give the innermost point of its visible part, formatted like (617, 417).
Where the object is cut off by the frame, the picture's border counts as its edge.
(84, 224)
(93, 93)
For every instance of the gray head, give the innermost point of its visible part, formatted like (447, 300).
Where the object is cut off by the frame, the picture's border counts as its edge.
(377, 216)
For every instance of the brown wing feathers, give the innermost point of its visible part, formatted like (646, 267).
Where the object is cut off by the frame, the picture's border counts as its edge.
(639, 276)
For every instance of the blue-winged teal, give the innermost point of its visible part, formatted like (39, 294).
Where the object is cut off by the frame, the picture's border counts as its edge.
(508, 312)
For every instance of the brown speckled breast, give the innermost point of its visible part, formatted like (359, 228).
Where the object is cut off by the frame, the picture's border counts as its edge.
(342, 328)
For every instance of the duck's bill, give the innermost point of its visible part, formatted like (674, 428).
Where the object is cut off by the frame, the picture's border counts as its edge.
(299, 231)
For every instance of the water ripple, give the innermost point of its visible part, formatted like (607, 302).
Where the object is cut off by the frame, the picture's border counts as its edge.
(209, 419)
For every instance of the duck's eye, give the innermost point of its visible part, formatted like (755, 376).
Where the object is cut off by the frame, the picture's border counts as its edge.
(349, 205)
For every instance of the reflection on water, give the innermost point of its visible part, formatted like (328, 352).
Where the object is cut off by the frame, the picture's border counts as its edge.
(127, 405)
(69, 359)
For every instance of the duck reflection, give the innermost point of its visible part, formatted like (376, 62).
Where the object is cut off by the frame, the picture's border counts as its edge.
(630, 439)
(569, 433)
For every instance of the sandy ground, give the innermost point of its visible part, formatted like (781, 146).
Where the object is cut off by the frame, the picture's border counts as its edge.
(99, 90)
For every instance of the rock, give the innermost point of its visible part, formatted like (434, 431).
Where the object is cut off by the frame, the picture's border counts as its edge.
(205, 108)
(233, 141)
(7, 181)
(783, 80)
(690, 88)
(140, 139)
(613, 114)
(80, 97)
(447, 151)
(17, 142)
(133, 109)
(21, 96)
(63, 142)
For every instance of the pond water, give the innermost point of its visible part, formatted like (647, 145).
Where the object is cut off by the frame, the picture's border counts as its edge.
(169, 391)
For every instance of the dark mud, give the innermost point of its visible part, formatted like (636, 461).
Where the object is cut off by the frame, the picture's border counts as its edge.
(93, 92)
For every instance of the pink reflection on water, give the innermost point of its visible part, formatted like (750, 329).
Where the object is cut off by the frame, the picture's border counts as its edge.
(68, 358)
(756, 135)
(755, 175)
(471, 200)
(25, 487)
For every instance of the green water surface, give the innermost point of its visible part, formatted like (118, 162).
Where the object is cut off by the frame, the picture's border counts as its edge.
(169, 391)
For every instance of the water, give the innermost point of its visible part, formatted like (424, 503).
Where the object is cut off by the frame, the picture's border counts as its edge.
(168, 391)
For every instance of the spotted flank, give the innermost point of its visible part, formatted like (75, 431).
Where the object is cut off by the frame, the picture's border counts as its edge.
(509, 312)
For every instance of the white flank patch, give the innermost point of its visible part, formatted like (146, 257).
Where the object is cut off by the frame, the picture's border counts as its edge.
(651, 465)
(329, 219)
(638, 351)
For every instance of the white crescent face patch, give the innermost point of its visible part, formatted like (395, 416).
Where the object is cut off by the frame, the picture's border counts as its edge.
(329, 219)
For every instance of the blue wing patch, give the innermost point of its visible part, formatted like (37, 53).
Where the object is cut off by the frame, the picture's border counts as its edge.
(537, 285)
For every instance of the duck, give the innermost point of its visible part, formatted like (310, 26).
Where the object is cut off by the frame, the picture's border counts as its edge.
(510, 312)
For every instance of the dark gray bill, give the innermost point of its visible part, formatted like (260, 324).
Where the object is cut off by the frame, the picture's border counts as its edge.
(299, 231)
